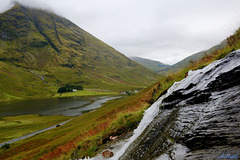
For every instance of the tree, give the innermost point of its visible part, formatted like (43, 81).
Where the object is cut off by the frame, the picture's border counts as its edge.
(62, 90)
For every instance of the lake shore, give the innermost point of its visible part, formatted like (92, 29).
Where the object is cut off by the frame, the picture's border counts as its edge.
(80, 93)
(87, 92)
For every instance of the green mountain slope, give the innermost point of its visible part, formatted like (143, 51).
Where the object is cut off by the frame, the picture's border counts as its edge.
(152, 65)
(54, 51)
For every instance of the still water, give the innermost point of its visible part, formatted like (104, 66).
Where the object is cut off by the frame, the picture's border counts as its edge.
(71, 106)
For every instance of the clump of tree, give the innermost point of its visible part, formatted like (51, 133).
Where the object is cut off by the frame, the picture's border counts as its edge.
(69, 88)
(64, 89)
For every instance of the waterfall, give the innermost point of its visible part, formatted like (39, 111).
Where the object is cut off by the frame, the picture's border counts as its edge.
(149, 115)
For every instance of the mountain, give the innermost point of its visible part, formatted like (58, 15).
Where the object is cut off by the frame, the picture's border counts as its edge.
(40, 51)
(186, 61)
(152, 65)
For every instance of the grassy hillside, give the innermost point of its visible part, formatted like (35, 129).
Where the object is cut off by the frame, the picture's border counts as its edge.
(17, 83)
(15, 127)
(152, 65)
(58, 52)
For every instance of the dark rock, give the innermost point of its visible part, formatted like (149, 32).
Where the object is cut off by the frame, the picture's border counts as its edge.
(202, 115)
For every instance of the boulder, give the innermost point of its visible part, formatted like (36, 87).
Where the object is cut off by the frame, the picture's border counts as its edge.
(107, 154)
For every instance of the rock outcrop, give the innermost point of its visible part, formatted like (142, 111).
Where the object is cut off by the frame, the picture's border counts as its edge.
(199, 119)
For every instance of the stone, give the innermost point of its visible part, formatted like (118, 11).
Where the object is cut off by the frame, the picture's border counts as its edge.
(107, 154)
(113, 137)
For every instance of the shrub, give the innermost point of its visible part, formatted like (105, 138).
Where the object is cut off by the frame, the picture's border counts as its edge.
(6, 146)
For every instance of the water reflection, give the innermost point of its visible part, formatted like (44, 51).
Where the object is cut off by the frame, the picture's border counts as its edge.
(71, 106)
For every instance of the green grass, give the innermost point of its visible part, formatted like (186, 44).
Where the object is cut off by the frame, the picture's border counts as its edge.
(86, 92)
(17, 126)
(18, 83)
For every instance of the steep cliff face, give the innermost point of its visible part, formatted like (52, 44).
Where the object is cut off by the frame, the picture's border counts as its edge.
(197, 119)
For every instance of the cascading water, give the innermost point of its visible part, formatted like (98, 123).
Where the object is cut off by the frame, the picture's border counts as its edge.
(149, 115)
(198, 117)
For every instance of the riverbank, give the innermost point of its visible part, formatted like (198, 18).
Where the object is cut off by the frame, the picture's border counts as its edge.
(18, 126)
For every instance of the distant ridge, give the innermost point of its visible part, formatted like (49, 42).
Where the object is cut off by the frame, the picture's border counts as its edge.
(162, 68)
(152, 65)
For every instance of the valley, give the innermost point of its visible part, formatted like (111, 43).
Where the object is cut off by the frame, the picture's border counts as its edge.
(41, 52)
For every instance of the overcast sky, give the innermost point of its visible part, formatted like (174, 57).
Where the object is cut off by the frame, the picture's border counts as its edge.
(163, 30)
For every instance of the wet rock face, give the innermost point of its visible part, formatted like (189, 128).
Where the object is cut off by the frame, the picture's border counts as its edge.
(214, 126)
(201, 114)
